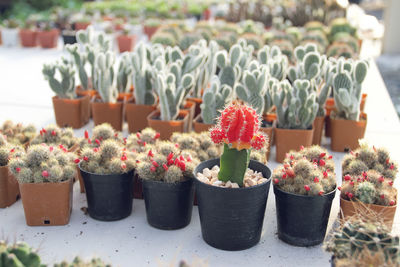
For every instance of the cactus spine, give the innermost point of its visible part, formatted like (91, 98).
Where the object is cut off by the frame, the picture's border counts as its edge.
(64, 88)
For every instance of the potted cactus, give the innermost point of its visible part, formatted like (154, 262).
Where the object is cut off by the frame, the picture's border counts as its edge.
(296, 110)
(55, 136)
(18, 254)
(347, 118)
(48, 35)
(124, 73)
(45, 175)
(107, 172)
(8, 184)
(125, 41)
(145, 99)
(28, 34)
(368, 176)
(150, 26)
(69, 110)
(9, 33)
(166, 173)
(18, 134)
(304, 187)
(233, 187)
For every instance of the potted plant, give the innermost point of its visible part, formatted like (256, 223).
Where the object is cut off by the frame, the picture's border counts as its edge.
(55, 136)
(106, 107)
(296, 109)
(9, 33)
(18, 134)
(68, 35)
(150, 26)
(124, 73)
(45, 175)
(27, 34)
(368, 176)
(8, 184)
(304, 187)
(347, 94)
(107, 172)
(168, 188)
(125, 40)
(82, 23)
(48, 35)
(18, 254)
(233, 187)
(69, 110)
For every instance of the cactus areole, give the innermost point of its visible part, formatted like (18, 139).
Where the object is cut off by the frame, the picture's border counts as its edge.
(237, 128)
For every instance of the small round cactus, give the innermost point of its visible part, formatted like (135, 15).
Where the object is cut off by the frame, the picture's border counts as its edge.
(142, 141)
(7, 151)
(18, 134)
(18, 254)
(54, 135)
(101, 133)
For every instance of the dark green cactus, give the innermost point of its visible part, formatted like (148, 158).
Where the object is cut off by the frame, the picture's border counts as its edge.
(18, 255)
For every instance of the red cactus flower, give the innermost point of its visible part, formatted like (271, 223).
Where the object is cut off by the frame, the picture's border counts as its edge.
(138, 135)
(77, 161)
(381, 179)
(156, 136)
(290, 173)
(139, 142)
(316, 180)
(352, 183)
(322, 162)
(350, 195)
(85, 158)
(301, 147)
(391, 167)
(276, 181)
(392, 203)
(188, 158)
(339, 188)
(44, 130)
(322, 155)
(217, 135)
(123, 165)
(150, 154)
(181, 158)
(86, 134)
(116, 135)
(382, 196)
(177, 145)
(390, 183)
(41, 132)
(170, 156)
(325, 173)
(291, 157)
(53, 133)
(284, 176)
(51, 148)
(89, 141)
(387, 161)
(321, 192)
(96, 149)
(155, 164)
(165, 167)
(12, 150)
(330, 157)
(182, 165)
(307, 188)
(347, 177)
(170, 162)
(45, 174)
(152, 169)
(364, 174)
(61, 146)
(176, 162)
(18, 169)
(123, 157)
(97, 141)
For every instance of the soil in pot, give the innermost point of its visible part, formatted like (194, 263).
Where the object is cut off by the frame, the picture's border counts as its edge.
(125, 43)
(47, 203)
(199, 126)
(27, 37)
(318, 126)
(350, 208)
(167, 128)
(72, 112)
(302, 220)
(48, 39)
(291, 139)
(232, 218)
(346, 133)
(189, 107)
(109, 197)
(9, 190)
(136, 116)
(168, 205)
(108, 112)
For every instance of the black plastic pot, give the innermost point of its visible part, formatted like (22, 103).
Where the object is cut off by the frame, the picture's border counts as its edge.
(232, 218)
(69, 38)
(109, 197)
(302, 220)
(168, 205)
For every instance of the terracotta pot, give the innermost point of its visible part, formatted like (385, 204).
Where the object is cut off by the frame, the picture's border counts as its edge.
(126, 42)
(27, 37)
(73, 113)
(346, 133)
(329, 107)
(48, 39)
(363, 100)
(136, 116)
(291, 139)
(199, 126)
(9, 190)
(318, 127)
(269, 132)
(47, 203)
(111, 113)
(81, 25)
(270, 118)
(207, 14)
(123, 96)
(190, 107)
(198, 102)
(349, 208)
(90, 92)
(167, 128)
(150, 30)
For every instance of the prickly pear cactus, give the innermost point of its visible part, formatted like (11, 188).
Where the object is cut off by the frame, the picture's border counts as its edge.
(229, 65)
(275, 60)
(105, 77)
(80, 59)
(64, 88)
(308, 63)
(124, 74)
(18, 255)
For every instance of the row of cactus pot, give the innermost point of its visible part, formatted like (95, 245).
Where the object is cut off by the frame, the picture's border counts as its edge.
(30, 38)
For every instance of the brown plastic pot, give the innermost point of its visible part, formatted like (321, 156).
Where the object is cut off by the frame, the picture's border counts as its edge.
(48, 39)
(167, 128)
(350, 208)
(90, 92)
(318, 127)
(73, 113)
(150, 30)
(363, 100)
(268, 132)
(136, 116)
(190, 107)
(81, 25)
(9, 190)
(346, 133)
(199, 126)
(108, 112)
(27, 37)
(291, 139)
(329, 107)
(47, 203)
(198, 102)
(126, 42)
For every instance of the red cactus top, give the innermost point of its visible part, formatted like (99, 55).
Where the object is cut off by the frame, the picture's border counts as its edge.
(238, 125)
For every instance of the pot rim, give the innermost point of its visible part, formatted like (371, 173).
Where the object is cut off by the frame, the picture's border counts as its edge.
(62, 182)
(104, 175)
(366, 204)
(162, 182)
(297, 195)
(288, 129)
(232, 189)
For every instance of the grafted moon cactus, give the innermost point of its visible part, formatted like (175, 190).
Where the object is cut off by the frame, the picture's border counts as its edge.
(238, 128)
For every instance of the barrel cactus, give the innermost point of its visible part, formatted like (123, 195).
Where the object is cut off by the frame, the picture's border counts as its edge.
(7, 151)
(142, 141)
(18, 254)
(101, 133)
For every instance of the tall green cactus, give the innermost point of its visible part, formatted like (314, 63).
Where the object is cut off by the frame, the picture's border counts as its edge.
(215, 98)
(142, 76)
(296, 106)
(65, 88)
(275, 60)
(124, 73)
(105, 77)
(253, 87)
(347, 87)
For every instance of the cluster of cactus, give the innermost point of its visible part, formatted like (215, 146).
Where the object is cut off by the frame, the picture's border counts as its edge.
(166, 162)
(276, 62)
(309, 172)
(142, 141)
(18, 134)
(347, 80)
(296, 105)
(42, 164)
(78, 262)
(110, 157)
(366, 241)
(101, 133)
(7, 151)
(341, 25)
(19, 255)
(80, 59)
(215, 98)
(368, 176)
(54, 135)
(238, 137)
(124, 74)
(64, 88)
(104, 77)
